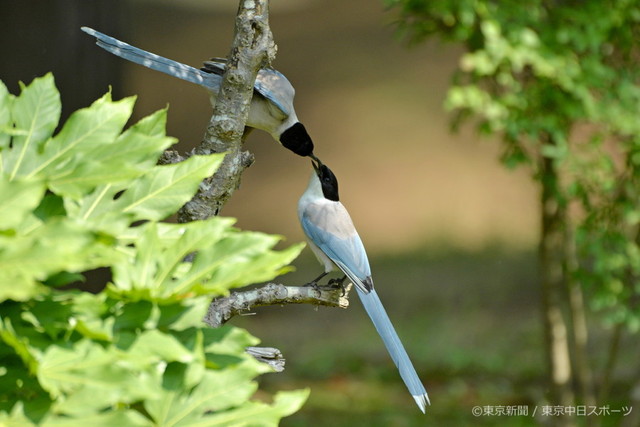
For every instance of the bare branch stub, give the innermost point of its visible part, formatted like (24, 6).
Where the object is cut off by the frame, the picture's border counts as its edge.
(170, 157)
(252, 48)
(269, 355)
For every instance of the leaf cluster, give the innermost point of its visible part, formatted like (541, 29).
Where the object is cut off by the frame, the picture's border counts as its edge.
(90, 196)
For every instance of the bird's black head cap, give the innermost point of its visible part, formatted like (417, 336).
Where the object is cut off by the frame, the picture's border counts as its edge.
(297, 140)
(327, 179)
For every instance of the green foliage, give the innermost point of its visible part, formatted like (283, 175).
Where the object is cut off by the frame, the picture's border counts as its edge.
(137, 353)
(558, 80)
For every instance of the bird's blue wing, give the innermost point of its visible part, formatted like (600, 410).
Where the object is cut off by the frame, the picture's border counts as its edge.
(274, 86)
(270, 84)
(347, 252)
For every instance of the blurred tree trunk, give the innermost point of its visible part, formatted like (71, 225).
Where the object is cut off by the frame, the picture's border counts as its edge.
(633, 418)
(579, 331)
(552, 252)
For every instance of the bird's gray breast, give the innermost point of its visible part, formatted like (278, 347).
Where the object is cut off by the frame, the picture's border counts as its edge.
(332, 218)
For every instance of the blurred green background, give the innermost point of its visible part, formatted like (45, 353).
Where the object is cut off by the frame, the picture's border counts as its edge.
(451, 234)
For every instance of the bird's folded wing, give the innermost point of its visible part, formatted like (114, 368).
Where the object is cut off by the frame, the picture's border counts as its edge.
(346, 251)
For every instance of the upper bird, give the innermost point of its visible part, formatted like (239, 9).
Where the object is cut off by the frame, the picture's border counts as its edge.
(271, 106)
(335, 241)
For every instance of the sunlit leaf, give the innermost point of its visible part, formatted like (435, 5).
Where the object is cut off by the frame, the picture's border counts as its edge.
(18, 199)
(258, 413)
(165, 189)
(59, 245)
(6, 100)
(128, 156)
(218, 390)
(119, 417)
(86, 130)
(35, 114)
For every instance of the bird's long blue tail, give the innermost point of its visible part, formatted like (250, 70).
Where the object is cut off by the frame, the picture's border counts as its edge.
(148, 59)
(378, 315)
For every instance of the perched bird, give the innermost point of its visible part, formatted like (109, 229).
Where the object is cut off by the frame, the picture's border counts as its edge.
(335, 241)
(271, 106)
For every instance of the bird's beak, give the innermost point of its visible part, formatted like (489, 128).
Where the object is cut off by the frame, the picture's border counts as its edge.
(315, 162)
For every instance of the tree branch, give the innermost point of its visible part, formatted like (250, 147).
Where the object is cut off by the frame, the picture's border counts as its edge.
(252, 48)
(222, 309)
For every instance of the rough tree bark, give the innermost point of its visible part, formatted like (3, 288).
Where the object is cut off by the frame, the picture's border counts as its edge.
(252, 48)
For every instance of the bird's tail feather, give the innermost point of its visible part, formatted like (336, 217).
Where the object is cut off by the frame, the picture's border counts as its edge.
(378, 315)
(148, 59)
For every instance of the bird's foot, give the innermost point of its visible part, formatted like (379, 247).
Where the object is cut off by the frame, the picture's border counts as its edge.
(314, 282)
(338, 283)
(313, 285)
